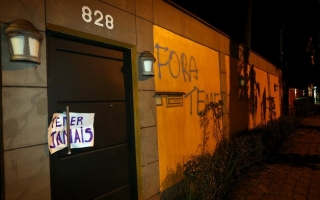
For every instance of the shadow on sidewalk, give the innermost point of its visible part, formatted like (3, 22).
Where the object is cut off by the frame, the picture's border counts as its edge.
(296, 160)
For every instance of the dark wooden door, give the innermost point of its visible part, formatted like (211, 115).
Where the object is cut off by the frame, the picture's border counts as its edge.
(93, 78)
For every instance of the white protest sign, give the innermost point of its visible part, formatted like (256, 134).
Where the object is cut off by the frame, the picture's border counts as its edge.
(81, 131)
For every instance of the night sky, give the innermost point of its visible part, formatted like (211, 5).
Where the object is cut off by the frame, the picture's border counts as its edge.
(299, 20)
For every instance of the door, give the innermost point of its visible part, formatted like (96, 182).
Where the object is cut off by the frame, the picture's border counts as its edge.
(93, 78)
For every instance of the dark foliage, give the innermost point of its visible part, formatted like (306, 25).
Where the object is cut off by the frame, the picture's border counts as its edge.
(214, 175)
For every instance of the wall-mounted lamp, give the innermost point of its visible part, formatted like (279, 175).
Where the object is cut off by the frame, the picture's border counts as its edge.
(241, 81)
(146, 63)
(275, 87)
(24, 41)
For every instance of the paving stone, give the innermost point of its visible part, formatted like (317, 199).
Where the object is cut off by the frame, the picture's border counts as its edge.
(296, 179)
(290, 180)
(297, 196)
(315, 180)
(296, 170)
(305, 181)
(283, 198)
(278, 180)
(315, 186)
(302, 185)
(286, 193)
(314, 191)
(252, 197)
(286, 167)
(316, 173)
(262, 186)
(300, 190)
(306, 173)
(313, 197)
(294, 174)
(268, 197)
(287, 186)
(266, 180)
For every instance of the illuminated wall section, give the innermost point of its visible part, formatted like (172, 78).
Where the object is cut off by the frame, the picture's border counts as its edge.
(186, 77)
(258, 93)
(264, 98)
(239, 96)
(275, 92)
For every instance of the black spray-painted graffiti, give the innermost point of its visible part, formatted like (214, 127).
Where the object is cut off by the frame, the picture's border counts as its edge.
(209, 98)
(188, 67)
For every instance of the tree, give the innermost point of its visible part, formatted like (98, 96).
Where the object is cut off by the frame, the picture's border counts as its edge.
(313, 58)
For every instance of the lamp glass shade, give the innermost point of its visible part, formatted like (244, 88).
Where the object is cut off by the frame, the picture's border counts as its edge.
(242, 82)
(147, 64)
(34, 46)
(17, 43)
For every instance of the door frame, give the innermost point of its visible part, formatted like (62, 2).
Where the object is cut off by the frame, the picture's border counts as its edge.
(131, 92)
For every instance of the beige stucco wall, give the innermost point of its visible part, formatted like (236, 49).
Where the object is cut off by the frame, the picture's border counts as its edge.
(24, 105)
(24, 88)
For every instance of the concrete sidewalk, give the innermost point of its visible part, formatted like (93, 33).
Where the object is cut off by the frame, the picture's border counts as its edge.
(295, 174)
(313, 121)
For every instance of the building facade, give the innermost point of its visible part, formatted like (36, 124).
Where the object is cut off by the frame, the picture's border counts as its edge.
(145, 127)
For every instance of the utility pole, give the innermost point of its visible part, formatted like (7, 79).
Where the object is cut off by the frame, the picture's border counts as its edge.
(283, 63)
(247, 33)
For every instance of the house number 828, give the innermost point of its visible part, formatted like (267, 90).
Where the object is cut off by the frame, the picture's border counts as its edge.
(87, 17)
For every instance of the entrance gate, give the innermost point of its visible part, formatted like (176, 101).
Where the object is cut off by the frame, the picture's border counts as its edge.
(93, 78)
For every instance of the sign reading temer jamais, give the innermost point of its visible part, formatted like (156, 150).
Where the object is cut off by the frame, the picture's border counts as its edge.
(81, 131)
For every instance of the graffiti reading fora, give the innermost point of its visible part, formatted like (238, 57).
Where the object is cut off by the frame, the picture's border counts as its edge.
(187, 66)
(176, 64)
